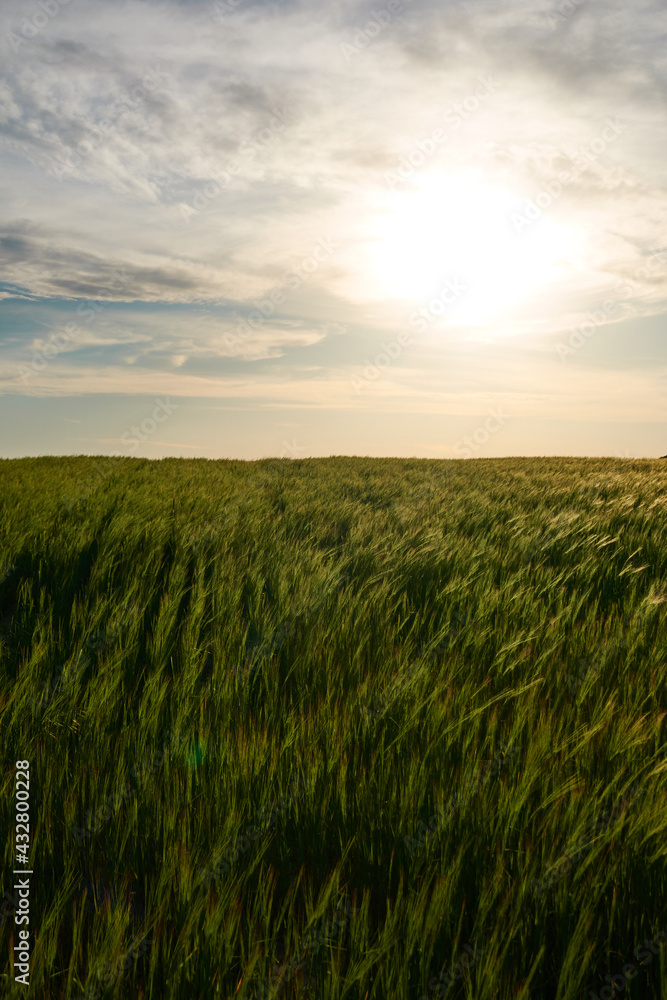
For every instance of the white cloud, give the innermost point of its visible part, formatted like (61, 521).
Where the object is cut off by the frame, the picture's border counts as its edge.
(107, 175)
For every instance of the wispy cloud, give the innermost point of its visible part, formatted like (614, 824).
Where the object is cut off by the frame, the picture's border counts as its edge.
(167, 165)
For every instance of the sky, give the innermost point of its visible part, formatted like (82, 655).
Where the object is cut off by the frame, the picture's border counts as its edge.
(241, 229)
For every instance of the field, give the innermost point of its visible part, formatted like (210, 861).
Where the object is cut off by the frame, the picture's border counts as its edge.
(337, 728)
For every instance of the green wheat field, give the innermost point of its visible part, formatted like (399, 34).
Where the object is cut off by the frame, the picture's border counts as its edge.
(336, 728)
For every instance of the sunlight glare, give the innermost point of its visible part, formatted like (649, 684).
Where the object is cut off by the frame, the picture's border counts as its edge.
(460, 228)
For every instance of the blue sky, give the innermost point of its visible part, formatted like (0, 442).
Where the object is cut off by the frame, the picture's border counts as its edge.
(338, 228)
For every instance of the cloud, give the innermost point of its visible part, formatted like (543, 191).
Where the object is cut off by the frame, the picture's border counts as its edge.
(176, 165)
(544, 393)
(51, 263)
(568, 44)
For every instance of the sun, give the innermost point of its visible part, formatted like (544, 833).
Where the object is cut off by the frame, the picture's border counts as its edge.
(459, 232)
